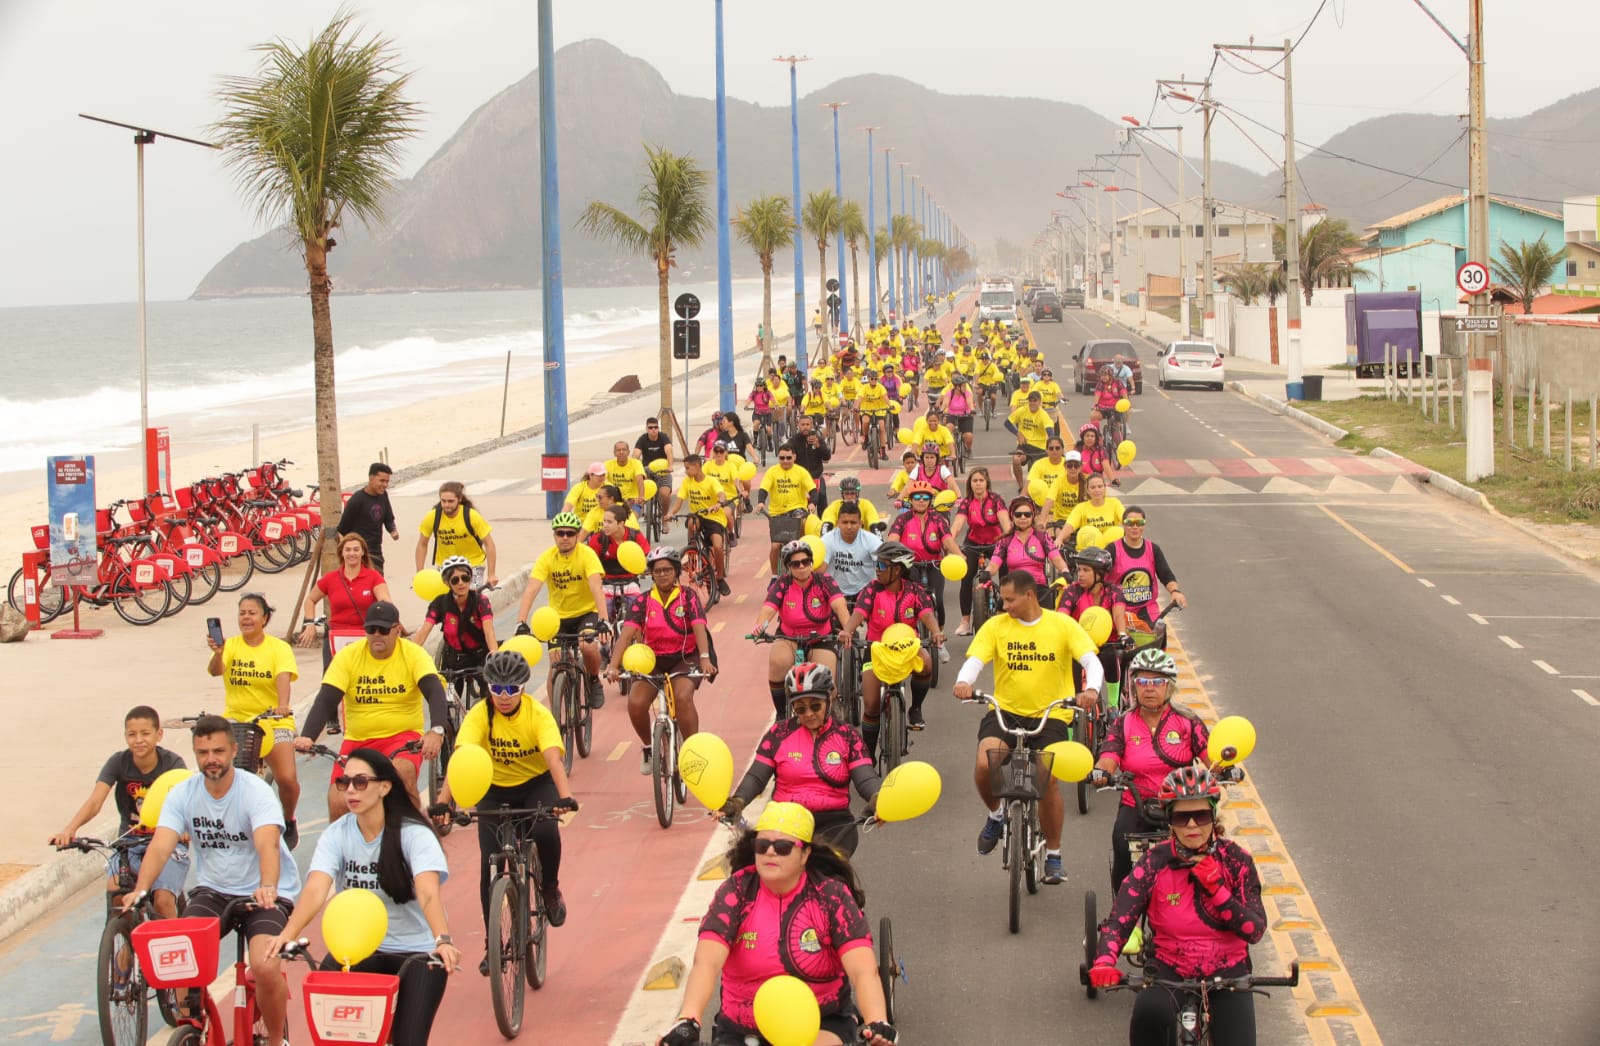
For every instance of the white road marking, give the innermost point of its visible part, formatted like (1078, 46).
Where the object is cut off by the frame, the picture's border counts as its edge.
(1586, 697)
(1425, 582)
(1546, 668)
(1203, 466)
(1452, 600)
(1322, 464)
(1512, 643)
(1263, 466)
(1479, 618)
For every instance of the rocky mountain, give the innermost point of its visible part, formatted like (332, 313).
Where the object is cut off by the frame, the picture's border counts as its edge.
(469, 218)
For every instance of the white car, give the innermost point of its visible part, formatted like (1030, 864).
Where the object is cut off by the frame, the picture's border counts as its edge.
(1190, 363)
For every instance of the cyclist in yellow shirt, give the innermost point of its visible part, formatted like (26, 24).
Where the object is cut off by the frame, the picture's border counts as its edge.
(705, 498)
(1032, 428)
(785, 499)
(937, 378)
(256, 670)
(850, 493)
(627, 474)
(931, 429)
(908, 465)
(584, 496)
(874, 403)
(1033, 651)
(991, 380)
(1019, 399)
(573, 573)
(1049, 392)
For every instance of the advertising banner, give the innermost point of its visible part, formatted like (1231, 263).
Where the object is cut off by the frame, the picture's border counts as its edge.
(74, 551)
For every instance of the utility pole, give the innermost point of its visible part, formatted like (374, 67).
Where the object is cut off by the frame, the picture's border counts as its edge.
(1207, 205)
(1183, 221)
(843, 323)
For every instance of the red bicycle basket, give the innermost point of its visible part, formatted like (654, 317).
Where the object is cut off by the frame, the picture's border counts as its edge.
(41, 536)
(349, 1008)
(177, 953)
(185, 496)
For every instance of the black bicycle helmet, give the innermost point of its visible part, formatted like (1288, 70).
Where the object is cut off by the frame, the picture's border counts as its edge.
(506, 668)
(895, 552)
(1098, 559)
(849, 485)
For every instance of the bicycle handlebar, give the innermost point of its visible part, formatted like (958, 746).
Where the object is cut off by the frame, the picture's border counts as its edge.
(1247, 983)
(979, 697)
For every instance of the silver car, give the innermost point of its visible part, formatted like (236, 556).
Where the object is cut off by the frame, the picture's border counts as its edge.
(1190, 363)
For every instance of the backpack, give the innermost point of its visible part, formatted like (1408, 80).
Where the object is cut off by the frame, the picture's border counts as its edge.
(466, 517)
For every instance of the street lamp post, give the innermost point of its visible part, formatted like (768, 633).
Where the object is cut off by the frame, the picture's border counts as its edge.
(838, 234)
(799, 238)
(1183, 223)
(888, 223)
(872, 235)
(905, 262)
(725, 378)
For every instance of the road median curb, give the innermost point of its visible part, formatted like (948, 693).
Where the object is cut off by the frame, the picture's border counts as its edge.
(41, 890)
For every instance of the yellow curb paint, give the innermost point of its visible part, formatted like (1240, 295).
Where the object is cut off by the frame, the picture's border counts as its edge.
(617, 752)
(665, 975)
(714, 869)
(718, 627)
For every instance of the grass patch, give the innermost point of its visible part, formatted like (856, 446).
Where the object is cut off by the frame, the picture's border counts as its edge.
(1525, 483)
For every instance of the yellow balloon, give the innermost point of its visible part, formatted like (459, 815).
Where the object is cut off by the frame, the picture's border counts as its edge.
(660, 466)
(631, 557)
(899, 634)
(1088, 536)
(813, 525)
(1123, 406)
(819, 554)
(894, 406)
(905, 436)
(1126, 452)
(1234, 732)
(429, 585)
(545, 623)
(738, 459)
(1038, 492)
(530, 648)
(706, 766)
(787, 1013)
(1110, 536)
(909, 791)
(944, 500)
(953, 567)
(269, 737)
(1071, 761)
(470, 773)
(650, 489)
(1097, 622)
(640, 660)
(156, 794)
(747, 471)
(353, 925)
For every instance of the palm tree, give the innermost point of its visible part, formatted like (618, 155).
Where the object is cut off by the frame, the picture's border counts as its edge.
(317, 132)
(928, 252)
(1248, 282)
(675, 214)
(957, 263)
(882, 244)
(905, 233)
(853, 227)
(821, 219)
(766, 225)
(1324, 255)
(1527, 268)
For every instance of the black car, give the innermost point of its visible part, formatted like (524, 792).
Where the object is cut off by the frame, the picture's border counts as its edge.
(1073, 296)
(1047, 306)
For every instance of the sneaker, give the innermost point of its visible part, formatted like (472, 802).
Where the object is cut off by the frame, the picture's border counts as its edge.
(483, 965)
(989, 838)
(644, 761)
(1053, 875)
(722, 587)
(596, 693)
(914, 719)
(291, 834)
(944, 655)
(555, 906)
(965, 628)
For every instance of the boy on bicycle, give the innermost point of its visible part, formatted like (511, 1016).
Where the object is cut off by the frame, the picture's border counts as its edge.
(127, 777)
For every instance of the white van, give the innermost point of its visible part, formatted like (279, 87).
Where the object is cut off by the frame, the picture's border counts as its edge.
(997, 300)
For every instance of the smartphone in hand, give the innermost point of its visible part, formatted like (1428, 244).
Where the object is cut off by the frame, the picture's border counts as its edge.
(214, 629)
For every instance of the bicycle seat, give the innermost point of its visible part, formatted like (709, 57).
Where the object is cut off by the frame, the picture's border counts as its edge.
(298, 494)
(261, 503)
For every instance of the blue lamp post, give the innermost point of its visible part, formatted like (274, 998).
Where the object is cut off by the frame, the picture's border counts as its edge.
(799, 239)
(872, 235)
(554, 321)
(838, 234)
(888, 221)
(725, 391)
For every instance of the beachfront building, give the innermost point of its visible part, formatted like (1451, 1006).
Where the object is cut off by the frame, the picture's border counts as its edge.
(1147, 245)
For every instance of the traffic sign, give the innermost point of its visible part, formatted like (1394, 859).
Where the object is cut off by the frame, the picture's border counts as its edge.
(1473, 278)
(832, 284)
(687, 306)
(686, 336)
(1477, 325)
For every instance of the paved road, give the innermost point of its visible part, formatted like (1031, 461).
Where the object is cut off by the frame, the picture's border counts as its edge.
(1417, 712)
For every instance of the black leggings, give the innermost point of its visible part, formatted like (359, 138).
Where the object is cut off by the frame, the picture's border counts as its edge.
(837, 828)
(546, 834)
(1155, 1015)
(928, 575)
(977, 556)
(421, 992)
(1128, 820)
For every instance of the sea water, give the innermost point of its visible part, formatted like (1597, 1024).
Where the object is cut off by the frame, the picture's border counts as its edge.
(71, 373)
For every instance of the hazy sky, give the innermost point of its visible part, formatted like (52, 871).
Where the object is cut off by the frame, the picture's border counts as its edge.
(68, 185)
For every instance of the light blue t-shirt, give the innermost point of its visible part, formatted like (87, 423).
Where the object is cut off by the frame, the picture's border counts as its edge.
(850, 563)
(222, 834)
(344, 855)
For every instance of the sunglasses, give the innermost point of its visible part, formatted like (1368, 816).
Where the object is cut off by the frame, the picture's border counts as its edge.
(1150, 680)
(1022, 515)
(377, 630)
(781, 847)
(566, 533)
(799, 562)
(1074, 464)
(458, 579)
(809, 707)
(1190, 817)
(922, 497)
(505, 689)
(785, 459)
(1133, 523)
(357, 781)
(882, 566)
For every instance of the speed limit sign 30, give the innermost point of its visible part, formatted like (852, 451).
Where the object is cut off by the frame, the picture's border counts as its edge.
(1473, 278)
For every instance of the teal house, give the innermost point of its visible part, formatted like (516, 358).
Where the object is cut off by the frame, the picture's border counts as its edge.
(1421, 249)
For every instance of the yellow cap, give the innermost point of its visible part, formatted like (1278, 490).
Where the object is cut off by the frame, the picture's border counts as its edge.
(788, 818)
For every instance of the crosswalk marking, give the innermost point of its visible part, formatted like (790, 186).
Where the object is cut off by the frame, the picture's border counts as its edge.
(1279, 485)
(1322, 464)
(1220, 486)
(1346, 485)
(1203, 466)
(1147, 487)
(1263, 466)
(1141, 467)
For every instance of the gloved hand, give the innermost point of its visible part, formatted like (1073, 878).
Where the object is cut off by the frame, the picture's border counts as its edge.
(984, 577)
(1208, 873)
(566, 802)
(880, 1030)
(438, 809)
(871, 809)
(731, 809)
(685, 1033)
(1099, 778)
(1127, 643)
(1104, 973)
(523, 629)
(1234, 773)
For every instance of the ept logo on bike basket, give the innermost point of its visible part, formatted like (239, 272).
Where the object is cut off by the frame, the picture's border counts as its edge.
(173, 959)
(344, 1018)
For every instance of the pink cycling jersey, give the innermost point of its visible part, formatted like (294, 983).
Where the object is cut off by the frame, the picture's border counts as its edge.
(884, 607)
(761, 400)
(1195, 934)
(924, 535)
(813, 769)
(983, 518)
(1178, 739)
(803, 610)
(1106, 396)
(667, 626)
(803, 934)
(1027, 551)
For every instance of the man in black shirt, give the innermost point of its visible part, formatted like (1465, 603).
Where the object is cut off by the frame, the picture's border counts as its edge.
(368, 513)
(656, 445)
(811, 453)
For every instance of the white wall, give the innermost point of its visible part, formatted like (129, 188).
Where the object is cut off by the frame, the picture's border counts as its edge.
(1322, 341)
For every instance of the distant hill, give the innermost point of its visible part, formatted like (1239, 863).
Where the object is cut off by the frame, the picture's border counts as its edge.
(469, 219)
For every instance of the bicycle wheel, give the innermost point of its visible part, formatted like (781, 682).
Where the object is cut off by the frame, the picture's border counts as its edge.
(1033, 850)
(563, 702)
(206, 581)
(1091, 936)
(52, 598)
(1083, 732)
(538, 952)
(872, 443)
(506, 957)
(583, 725)
(138, 606)
(237, 570)
(661, 739)
(891, 730)
(980, 606)
(1015, 858)
(119, 987)
(188, 1035)
(680, 788)
(888, 966)
(182, 589)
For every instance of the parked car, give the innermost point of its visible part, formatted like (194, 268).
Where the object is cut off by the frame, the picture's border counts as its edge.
(1102, 352)
(1046, 306)
(1190, 363)
(1073, 296)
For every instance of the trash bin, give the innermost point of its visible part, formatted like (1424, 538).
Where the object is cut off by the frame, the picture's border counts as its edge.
(1313, 386)
(1295, 390)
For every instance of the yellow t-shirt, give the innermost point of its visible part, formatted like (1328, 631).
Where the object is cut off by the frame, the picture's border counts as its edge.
(869, 512)
(250, 675)
(627, 477)
(815, 404)
(1033, 662)
(454, 539)
(519, 742)
(1046, 472)
(1049, 393)
(597, 517)
(787, 489)
(382, 696)
(704, 498)
(898, 481)
(726, 474)
(938, 377)
(1064, 497)
(1085, 513)
(567, 578)
(874, 399)
(990, 375)
(1033, 426)
(921, 433)
(1019, 400)
(582, 498)
(850, 389)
